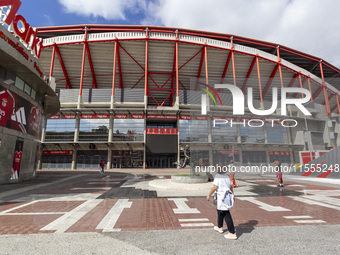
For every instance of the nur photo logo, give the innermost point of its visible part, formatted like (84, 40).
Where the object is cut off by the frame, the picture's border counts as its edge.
(238, 99)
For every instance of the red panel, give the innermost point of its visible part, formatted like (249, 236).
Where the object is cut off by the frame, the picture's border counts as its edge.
(95, 116)
(162, 131)
(55, 117)
(185, 117)
(201, 118)
(162, 117)
(120, 116)
(58, 152)
(311, 170)
(69, 116)
(137, 116)
(325, 174)
(279, 153)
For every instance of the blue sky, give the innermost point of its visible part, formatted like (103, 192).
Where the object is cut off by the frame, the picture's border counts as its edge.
(311, 26)
(52, 13)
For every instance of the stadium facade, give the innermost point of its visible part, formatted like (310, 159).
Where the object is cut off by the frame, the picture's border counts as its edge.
(131, 95)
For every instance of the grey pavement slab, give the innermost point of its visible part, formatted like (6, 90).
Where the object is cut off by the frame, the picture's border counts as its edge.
(265, 240)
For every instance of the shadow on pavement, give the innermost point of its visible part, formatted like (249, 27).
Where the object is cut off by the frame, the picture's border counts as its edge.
(247, 227)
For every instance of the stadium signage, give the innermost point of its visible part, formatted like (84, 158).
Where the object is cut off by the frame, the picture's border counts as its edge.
(21, 27)
(58, 152)
(238, 100)
(137, 116)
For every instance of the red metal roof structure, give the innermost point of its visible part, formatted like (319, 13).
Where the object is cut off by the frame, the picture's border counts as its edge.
(162, 60)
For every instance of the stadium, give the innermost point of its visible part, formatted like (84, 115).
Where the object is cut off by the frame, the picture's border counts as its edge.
(132, 96)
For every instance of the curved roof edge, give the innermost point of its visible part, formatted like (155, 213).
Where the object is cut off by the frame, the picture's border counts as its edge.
(298, 58)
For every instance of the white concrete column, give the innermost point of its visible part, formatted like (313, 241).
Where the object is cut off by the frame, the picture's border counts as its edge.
(80, 101)
(43, 131)
(109, 159)
(112, 102)
(76, 130)
(145, 101)
(74, 159)
(111, 122)
(40, 158)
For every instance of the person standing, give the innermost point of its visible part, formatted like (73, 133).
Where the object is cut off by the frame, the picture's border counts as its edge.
(223, 185)
(277, 167)
(102, 165)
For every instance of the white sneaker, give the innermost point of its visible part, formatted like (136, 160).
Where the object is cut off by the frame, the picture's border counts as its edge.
(219, 230)
(230, 236)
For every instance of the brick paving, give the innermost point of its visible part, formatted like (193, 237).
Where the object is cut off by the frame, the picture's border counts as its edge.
(93, 204)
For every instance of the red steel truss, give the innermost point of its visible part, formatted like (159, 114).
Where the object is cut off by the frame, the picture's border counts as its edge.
(174, 74)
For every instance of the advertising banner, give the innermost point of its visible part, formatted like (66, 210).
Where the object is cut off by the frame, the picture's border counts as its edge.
(19, 114)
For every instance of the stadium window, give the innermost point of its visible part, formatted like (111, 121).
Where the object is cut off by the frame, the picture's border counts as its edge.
(60, 129)
(27, 89)
(19, 83)
(223, 132)
(193, 130)
(94, 129)
(276, 134)
(128, 130)
(33, 93)
(252, 134)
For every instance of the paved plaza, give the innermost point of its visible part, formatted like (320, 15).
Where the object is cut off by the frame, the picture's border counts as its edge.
(84, 212)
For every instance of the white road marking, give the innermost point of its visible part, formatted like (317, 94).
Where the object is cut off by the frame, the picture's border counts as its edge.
(264, 180)
(36, 213)
(92, 188)
(182, 207)
(325, 199)
(324, 192)
(16, 208)
(58, 197)
(309, 221)
(197, 225)
(68, 219)
(17, 191)
(104, 182)
(298, 217)
(263, 205)
(111, 218)
(312, 202)
(294, 185)
(188, 220)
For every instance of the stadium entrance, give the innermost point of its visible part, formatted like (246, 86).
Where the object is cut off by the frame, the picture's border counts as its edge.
(161, 143)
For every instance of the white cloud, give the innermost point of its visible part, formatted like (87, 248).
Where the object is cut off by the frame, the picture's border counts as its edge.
(108, 9)
(310, 26)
